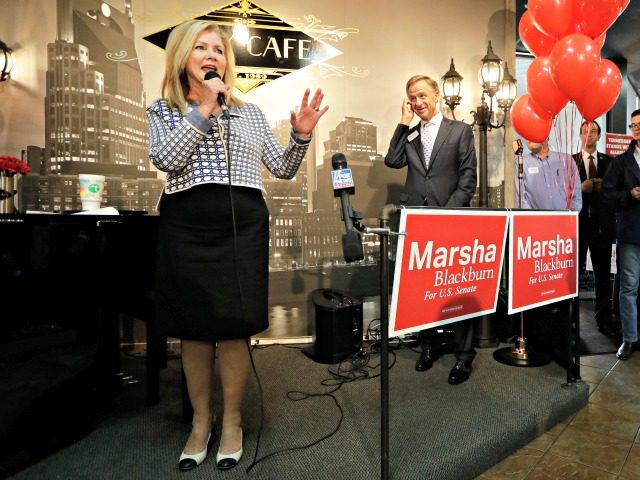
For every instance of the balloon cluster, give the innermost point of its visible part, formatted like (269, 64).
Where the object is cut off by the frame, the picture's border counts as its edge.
(566, 37)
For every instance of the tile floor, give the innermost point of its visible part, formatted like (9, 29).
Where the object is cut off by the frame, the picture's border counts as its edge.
(600, 442)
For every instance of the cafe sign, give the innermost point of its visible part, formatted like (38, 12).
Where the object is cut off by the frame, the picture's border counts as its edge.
(266, 47)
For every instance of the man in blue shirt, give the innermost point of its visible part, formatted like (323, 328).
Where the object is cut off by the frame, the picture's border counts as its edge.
(551, 180)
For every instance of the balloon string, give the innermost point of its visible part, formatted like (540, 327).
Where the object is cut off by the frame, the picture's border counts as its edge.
(572, 172)
(571, 183)
(560, 125)
(564, 128)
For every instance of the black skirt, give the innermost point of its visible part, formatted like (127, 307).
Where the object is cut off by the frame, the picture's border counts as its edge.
(212, 282)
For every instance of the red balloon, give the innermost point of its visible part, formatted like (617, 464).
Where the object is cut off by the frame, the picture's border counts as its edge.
(574, 61)
(527, 121)
(542, 89)
(556, 18)
(602, 93)
(623, 4)
(538, 43)
(599, 40)
(598, 15)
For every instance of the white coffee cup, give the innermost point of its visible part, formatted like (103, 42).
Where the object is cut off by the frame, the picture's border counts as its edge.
(91, 188)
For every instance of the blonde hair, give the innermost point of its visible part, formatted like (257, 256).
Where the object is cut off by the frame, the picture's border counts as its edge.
(175, 86)
(430, 81)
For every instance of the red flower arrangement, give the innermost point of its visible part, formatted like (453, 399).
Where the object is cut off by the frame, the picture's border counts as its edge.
(9, 166)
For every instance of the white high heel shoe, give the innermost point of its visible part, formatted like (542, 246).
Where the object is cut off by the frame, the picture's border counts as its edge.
(225, 461)
(189, 461)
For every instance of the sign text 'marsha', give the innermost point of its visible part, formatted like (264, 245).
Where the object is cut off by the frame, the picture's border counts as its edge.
(530, 248)
(448, 256)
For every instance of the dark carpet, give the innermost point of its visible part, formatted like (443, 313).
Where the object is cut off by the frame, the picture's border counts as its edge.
(437, 431)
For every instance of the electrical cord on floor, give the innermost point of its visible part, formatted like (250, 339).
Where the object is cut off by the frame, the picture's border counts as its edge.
(373, 330)
(360, 370)
(341, 375)
(359, 360)
(394, 343)
(296, 396)
(261, 396)
(355, 368)
(406, 344)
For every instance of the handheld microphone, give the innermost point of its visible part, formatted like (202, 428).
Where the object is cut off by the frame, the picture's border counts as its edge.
(222, 100)
(343, 186)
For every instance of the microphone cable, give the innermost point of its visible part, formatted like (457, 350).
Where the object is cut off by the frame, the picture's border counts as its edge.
(227, 144)
(338, 377)
(296, 396)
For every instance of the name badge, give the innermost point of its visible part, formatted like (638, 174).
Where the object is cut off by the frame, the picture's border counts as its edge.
(532, 170)
(413, 135)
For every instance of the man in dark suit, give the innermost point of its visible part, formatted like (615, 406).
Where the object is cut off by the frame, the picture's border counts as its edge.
(441, 160)
(621, 185)
(597, 222)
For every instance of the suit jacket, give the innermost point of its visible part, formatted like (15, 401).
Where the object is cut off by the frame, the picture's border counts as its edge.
(622, 176)
(450, 180)
(597, 213)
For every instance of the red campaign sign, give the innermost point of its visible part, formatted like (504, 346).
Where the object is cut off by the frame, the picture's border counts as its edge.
(543, 254)
(616, 143)
(448, 267)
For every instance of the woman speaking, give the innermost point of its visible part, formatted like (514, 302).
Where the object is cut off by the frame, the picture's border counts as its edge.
(212, 266)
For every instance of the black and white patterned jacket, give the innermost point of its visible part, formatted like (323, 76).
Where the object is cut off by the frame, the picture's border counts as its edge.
(191, 148)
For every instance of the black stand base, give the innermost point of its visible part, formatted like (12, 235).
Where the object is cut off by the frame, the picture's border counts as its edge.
(534, 358)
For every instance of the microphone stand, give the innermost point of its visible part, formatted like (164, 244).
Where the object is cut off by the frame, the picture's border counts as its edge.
(383, 232)
(355, 220)
(520, 350)
(519, 355)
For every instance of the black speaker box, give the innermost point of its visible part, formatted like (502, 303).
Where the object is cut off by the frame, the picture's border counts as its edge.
(338, 326)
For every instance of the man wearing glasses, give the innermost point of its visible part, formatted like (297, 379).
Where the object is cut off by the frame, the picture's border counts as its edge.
(621, 185)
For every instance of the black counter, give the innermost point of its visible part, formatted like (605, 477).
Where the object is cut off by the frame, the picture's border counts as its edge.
(63, 281)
